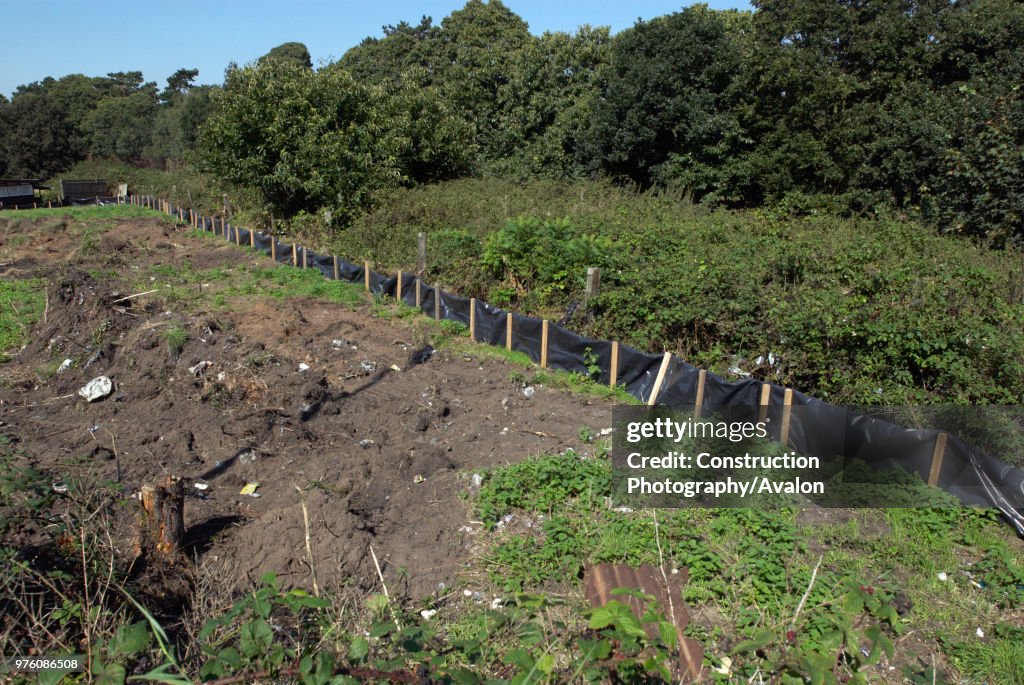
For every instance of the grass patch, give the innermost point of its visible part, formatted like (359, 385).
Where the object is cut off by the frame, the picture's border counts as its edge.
(878, 577)
(22, 302)
(175, 338)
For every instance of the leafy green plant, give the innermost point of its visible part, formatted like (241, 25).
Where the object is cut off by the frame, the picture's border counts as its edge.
(175, 339)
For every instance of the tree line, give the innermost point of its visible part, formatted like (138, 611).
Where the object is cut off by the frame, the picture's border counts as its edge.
(857, 107)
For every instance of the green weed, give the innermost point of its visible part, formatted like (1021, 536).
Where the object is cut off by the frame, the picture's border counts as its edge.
(22, 302)
(175, 339)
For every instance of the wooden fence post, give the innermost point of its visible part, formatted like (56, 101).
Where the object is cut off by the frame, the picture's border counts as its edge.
(544, 344)
(937, 456)
(698, 404)
(613, 372)
(472, 318)
(656, 390)
(766, 396)
(787, 416)
(421, 250)
(593, 283)
(398, 287)
(366, 274)
(508, 331)
(336, 276)
(437, 303)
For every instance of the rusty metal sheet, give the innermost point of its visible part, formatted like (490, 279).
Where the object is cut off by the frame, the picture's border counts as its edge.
(665, 587)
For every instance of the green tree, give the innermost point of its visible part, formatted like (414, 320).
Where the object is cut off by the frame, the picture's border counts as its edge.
(473, 56)
(403, 53)
(178, 84)
(302, 139)
(666, 111)
(296, 53)
(552, 85)
(122, 127)
(43, 131)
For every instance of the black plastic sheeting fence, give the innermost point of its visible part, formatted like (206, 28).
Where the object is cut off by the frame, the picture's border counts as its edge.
(816, 429)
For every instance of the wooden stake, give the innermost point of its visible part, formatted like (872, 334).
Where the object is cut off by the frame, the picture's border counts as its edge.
(613, 372)
(421, 250)
(162, 524)
(472, 318)
(593, 283)
(437, 303)
(305, 259)
(418, 293)
(766, 396)
(398, 287)
(653, 399)
(295, 255)
(273, 248)
(787, 414)
(544, 344)
(508, 332)
(336, 272)
(238, 236)
(698, 404)
(937, 455)
(252, 239)
(366, 274)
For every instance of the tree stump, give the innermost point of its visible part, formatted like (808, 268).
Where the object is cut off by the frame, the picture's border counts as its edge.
(162, 521)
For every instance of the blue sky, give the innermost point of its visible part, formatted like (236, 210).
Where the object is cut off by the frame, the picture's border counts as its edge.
(54, 38)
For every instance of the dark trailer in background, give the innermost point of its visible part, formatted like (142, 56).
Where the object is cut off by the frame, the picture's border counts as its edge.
(20, 193)
(86, 192)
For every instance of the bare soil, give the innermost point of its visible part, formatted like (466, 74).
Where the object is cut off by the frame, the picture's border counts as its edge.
(378, 444)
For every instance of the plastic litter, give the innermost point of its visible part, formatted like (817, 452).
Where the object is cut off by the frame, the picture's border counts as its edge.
(201, 486)
(365, 442)
(200, 367)
(428, 614)
(303, 367)
(65, 365)
(97, 389)
(418, 478)
(60, 488)
(528, 392)
(250, 489)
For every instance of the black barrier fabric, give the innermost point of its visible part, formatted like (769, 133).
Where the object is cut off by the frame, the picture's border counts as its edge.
(637, 371)
(527, 334)
(817, 429)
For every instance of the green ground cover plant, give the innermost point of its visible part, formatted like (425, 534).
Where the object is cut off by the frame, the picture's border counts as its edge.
(22, 302)
(857, 311)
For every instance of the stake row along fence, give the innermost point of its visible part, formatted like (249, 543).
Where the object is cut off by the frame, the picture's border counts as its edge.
(802, 423)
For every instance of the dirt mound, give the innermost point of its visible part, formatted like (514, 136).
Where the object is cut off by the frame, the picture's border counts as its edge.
(341, 419)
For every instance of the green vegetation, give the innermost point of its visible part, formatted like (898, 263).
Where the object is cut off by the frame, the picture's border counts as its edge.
(550, 515)
(860, 311)
(806, 104)
(175, 337)
(21, 304)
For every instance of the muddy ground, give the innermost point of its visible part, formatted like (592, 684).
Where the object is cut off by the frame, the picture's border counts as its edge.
(382, 458)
